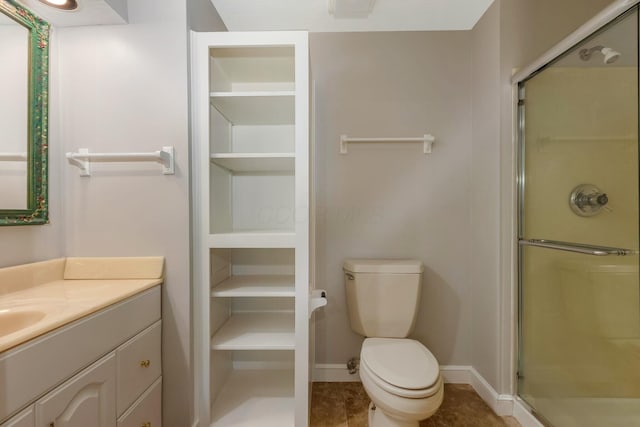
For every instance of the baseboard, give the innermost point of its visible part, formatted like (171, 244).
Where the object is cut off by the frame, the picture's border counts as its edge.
(501, 404)
(523, 415)
(453, 374)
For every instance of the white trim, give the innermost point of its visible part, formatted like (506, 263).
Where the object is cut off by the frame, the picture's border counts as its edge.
(523, 415)
(594, 24)
(502, 404)
(453, 374)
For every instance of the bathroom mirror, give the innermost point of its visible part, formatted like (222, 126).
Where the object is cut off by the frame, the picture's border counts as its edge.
(24, 52)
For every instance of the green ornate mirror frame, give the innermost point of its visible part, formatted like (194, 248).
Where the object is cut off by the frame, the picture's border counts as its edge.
(34, 210)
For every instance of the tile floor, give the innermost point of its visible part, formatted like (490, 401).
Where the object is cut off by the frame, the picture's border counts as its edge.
(346, 404)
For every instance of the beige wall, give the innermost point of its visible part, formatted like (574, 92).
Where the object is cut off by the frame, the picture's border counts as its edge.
(122, 89)
(382, 201)
(485, 196)
(125, 88)
(509, 35)
(390, 200)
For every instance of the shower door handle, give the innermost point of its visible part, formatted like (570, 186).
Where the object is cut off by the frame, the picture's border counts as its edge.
(577, 247)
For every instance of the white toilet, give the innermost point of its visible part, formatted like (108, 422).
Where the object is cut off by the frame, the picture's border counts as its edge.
(400, 375)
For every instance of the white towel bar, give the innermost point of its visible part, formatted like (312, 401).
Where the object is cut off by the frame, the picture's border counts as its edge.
(427, 140)
(83, 158)
(13, 157)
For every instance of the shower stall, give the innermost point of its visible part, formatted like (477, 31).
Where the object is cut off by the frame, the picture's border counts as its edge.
(579, 299)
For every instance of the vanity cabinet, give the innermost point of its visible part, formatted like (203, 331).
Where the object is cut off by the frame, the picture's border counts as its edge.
(114, 385)
(122, 388)
(251, 207)
(88, 399)
(25, 418)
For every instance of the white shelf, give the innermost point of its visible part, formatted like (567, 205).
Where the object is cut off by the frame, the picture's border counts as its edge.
(256, 108)
(250, 397)
(253, 65)
(256, 286)
(256, 331)
(253, 239)
(255, 162)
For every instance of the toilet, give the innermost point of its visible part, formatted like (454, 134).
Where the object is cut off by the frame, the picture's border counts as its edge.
(400, 375)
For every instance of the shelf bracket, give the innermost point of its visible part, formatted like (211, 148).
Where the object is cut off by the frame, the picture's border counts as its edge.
(81, 162)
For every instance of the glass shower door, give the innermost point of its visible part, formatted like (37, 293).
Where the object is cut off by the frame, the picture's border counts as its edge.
(579, 300)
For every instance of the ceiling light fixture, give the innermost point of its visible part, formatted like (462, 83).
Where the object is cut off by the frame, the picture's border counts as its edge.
(351, 9)
(61, 4)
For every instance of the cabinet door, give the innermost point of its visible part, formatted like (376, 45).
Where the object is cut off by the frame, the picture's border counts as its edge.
(88, 399)
(23, 419)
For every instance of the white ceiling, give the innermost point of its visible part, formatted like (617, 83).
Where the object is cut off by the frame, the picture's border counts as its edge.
(387, 15)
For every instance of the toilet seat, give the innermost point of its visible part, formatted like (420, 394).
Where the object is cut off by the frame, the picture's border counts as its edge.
(402, 367)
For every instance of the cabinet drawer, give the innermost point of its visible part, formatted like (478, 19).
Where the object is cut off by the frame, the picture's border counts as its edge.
(147, 411)
(23, 419)
(139, 364)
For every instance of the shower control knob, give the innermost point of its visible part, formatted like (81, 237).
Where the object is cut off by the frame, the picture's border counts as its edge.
(587, 200)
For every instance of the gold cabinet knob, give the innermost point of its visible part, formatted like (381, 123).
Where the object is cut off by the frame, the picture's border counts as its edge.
(147, 424)
(145, 364)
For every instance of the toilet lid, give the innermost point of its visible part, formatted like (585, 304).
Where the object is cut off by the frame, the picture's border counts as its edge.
(403, 363)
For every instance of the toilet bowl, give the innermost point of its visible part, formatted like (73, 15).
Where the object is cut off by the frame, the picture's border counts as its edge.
(400, 375)
(402, 379)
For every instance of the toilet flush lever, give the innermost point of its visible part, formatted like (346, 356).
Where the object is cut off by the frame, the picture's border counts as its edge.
(349, 276)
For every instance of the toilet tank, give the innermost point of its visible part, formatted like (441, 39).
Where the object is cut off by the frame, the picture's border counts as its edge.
(383, 295)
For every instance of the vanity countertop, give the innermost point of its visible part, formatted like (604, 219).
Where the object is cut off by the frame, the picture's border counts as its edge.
(40, 297)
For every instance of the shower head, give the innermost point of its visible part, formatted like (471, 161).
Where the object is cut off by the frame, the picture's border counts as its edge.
(610, 55)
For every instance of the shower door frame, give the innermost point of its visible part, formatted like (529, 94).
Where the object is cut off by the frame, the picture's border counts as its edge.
(607, 16)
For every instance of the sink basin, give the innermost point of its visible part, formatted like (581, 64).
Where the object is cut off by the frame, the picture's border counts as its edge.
(12, 320)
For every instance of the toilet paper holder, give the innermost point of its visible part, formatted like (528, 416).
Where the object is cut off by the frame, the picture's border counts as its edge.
(317, 299)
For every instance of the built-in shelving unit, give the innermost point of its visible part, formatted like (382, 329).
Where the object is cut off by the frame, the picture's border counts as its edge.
(253, 239)
(270, 399)
(256, 286)
(256, 331)
(256, 108)
(251, 103)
